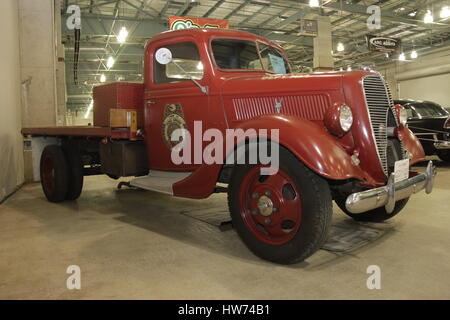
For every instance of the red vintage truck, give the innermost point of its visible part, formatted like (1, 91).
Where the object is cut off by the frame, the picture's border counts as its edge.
(339, 137)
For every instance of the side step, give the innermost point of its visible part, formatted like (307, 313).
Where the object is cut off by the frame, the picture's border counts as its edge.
(159, 181)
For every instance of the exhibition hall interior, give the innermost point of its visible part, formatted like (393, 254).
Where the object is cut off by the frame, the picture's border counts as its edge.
(225, 150)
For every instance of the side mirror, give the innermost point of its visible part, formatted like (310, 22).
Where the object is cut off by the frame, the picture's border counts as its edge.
(163, 56)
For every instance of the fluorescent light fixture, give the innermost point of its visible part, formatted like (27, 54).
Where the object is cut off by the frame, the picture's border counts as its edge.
(428, 17)
(314, 3)
(89, 109)
(123, 35)
(340, 47)
(102, 78)
(414, 54)
(110, 62)
(402, 57)
(445, 12)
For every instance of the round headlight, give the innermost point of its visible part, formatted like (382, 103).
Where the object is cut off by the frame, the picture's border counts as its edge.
(402, 114)
(339, 119)
(346, 118)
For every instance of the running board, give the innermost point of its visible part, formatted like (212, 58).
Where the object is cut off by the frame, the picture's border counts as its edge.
(159, 181)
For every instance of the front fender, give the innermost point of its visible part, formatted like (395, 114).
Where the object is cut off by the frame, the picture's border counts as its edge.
(412, 144)
(311, 144)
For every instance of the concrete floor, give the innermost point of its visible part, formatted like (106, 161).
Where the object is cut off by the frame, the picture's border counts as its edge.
(133, 244)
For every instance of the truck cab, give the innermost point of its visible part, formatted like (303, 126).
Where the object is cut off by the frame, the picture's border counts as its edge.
(212, 99)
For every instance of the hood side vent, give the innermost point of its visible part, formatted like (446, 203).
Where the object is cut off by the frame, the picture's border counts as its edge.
(312, 107)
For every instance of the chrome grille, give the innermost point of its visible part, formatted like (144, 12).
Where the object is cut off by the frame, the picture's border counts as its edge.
(379, 103)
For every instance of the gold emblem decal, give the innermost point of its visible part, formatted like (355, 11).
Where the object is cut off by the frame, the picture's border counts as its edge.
(173, 119)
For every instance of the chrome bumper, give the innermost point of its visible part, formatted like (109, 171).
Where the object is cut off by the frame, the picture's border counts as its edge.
(442, 145)
(388, 195)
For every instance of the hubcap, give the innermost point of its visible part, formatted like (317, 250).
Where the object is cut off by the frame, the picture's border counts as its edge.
(271, 206)
(265, 206)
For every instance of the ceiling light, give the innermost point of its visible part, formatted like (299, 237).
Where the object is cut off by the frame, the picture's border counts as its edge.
(445, 12)
(314, 3)
(110, 62)
(340, 47)
(428, 17)
(402, 57)
(102, 78)
(412, 14)
(123, 34)
(200, 66)
(349, 68)
(414, 54)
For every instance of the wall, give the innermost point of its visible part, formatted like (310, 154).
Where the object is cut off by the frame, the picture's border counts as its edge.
(11, 156)
(425, 78)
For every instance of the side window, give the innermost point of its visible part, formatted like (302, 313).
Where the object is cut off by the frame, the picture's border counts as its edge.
(186, 55)
(236, 54)
(272, 60)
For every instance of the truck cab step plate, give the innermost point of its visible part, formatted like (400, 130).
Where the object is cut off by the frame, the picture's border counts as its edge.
(159, 181)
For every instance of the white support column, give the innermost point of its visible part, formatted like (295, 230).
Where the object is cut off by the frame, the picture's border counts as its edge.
(38, 62)
(323, 45)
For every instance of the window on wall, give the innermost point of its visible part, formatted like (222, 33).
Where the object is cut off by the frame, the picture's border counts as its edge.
(235, 54)
(186, 55)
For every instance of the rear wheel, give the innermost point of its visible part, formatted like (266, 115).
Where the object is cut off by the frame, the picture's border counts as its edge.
(54, 173)
(284, 217)
(444, 155)
(375, 215)
(75, 169)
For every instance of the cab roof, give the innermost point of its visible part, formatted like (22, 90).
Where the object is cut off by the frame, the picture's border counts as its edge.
(207, 33)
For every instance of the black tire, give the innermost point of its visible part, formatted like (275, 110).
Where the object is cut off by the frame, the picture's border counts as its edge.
(76, 176)
(376, 215)
(316, 208)
(54, 173)
(444, 155)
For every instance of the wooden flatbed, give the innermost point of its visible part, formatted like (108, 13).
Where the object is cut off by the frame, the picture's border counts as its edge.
(77, 131)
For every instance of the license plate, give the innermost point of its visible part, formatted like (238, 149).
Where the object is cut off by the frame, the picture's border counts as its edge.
(401, 170)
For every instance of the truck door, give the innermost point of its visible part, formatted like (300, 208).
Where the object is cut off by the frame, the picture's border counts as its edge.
(173, 101)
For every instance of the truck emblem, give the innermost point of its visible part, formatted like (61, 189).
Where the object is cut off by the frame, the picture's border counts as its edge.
(278, 105)
(173, 119)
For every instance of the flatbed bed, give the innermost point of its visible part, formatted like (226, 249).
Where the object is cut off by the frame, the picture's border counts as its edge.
(77, 131)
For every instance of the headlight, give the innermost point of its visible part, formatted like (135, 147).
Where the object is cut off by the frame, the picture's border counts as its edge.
(346, 118)
(339, 119)
(447, 124)
(402, 114)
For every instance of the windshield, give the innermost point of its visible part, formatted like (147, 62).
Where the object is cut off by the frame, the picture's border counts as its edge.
(429, 109)
(234, 54)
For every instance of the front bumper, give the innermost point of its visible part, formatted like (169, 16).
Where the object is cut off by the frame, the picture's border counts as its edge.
(388, 195)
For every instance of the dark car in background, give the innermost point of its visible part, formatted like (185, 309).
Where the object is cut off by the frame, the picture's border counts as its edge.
(430, 122)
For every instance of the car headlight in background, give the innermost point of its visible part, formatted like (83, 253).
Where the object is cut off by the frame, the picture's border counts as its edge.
(339, 119)
(447, 124)
(401, 114)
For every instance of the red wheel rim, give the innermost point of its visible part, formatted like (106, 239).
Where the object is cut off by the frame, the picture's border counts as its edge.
(271, 206)
(48, 174)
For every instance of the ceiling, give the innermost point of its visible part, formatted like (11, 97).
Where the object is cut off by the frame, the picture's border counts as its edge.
(278, 20)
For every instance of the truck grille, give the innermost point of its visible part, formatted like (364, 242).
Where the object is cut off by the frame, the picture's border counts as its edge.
(379, 103)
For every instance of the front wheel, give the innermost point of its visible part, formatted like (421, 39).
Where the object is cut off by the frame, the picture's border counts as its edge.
(283, 218)
(375, 215)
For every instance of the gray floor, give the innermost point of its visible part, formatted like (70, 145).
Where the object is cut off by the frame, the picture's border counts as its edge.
(133, 244)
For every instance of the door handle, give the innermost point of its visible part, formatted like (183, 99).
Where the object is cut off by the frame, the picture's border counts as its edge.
(151, 102)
